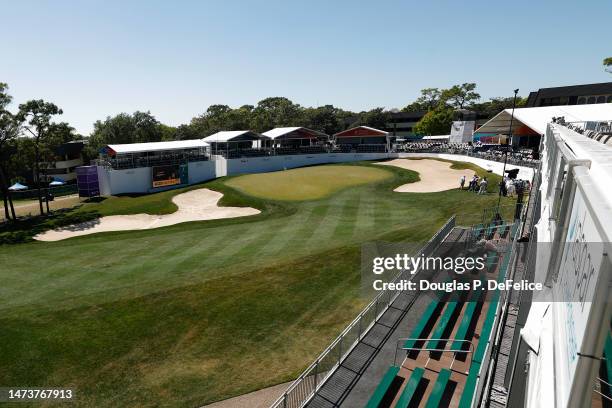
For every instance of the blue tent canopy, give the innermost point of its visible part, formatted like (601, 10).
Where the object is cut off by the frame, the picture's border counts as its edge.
(17, 187)
(57, 181)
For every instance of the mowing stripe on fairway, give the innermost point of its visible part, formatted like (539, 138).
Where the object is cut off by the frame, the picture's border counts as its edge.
(365, 214)
(349, 217)
(327, 225)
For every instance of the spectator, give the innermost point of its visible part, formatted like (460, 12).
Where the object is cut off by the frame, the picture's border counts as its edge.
(483, 186)
(503, 191)
(511, 189)
(473, 183)
(462, 182)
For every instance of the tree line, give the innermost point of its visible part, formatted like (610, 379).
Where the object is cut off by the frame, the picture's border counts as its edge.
(28, 139)
(30, 135)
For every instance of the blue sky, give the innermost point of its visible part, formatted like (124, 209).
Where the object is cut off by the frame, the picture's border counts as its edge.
(99, 58)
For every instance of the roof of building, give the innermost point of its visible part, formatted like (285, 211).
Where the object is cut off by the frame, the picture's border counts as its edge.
(572, 90)
(157, 146)
(362, 131)
(233, 135)
(407, 116)
(73, 147)
(281, 132)
(538, 118)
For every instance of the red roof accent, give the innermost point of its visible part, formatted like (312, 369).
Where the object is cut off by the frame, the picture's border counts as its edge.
(361, 131)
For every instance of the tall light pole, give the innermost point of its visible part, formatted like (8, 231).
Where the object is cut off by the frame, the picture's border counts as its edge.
(507, 146)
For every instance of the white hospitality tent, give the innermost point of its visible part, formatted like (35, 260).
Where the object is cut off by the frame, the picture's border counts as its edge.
(235, 139)
(155, 146)
(153, 153)
(295, 135)
(538, 118)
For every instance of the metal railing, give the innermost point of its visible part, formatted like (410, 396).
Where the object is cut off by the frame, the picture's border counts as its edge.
(600, 130)
(308, 383)
(514, 160)
(469, 351)
(597, 387)
(131, 162)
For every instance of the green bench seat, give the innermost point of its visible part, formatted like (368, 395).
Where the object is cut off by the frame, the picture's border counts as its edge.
(417, 332)
(491, 231)
(383, 387)
(608, 355)
(464, 326)
(470, 386)
(438, 389)
(491, 259)
(478, 231)
(442, 324)
(410, 388)
(504, 231)
(514, 230)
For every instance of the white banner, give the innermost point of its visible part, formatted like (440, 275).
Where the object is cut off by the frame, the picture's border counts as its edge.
(573, 291)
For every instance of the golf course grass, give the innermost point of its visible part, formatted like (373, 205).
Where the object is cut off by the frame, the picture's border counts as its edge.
(307, 183)
(197, 312)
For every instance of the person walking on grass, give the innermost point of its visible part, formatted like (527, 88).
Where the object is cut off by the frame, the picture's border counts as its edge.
(473, 183)
(483, 186)
(462, 182)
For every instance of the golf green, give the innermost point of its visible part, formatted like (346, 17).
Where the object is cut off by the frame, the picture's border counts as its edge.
(307, 183)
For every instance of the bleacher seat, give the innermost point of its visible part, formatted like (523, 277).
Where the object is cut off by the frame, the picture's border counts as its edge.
(464, 326)
(491, 261)
(410, 389)
(608, 356)
(442, 324)
(426, 319)
(438, 389)
(383, 387)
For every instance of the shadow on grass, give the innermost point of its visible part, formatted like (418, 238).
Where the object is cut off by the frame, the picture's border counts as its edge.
(24, 229)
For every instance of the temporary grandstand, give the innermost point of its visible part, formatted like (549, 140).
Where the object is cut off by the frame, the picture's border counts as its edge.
(511, 348)
(237, 143)
(297, 140)
(132, 155)
(362, 139)
(529, 124)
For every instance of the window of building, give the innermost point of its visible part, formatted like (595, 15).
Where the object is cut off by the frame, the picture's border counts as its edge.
(581, 100)
(609, 99)
(591, 100)
(601, 99)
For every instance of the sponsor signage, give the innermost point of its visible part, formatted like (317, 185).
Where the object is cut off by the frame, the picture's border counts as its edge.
(164, 176)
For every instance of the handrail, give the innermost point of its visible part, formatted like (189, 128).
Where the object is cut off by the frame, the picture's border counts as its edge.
(435, 349)
(599, 392)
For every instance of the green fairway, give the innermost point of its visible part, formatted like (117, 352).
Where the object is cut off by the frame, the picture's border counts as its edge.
(307, 183)
(197, 312)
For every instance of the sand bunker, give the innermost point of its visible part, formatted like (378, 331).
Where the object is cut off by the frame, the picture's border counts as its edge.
(435, 175)
(196, 205)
